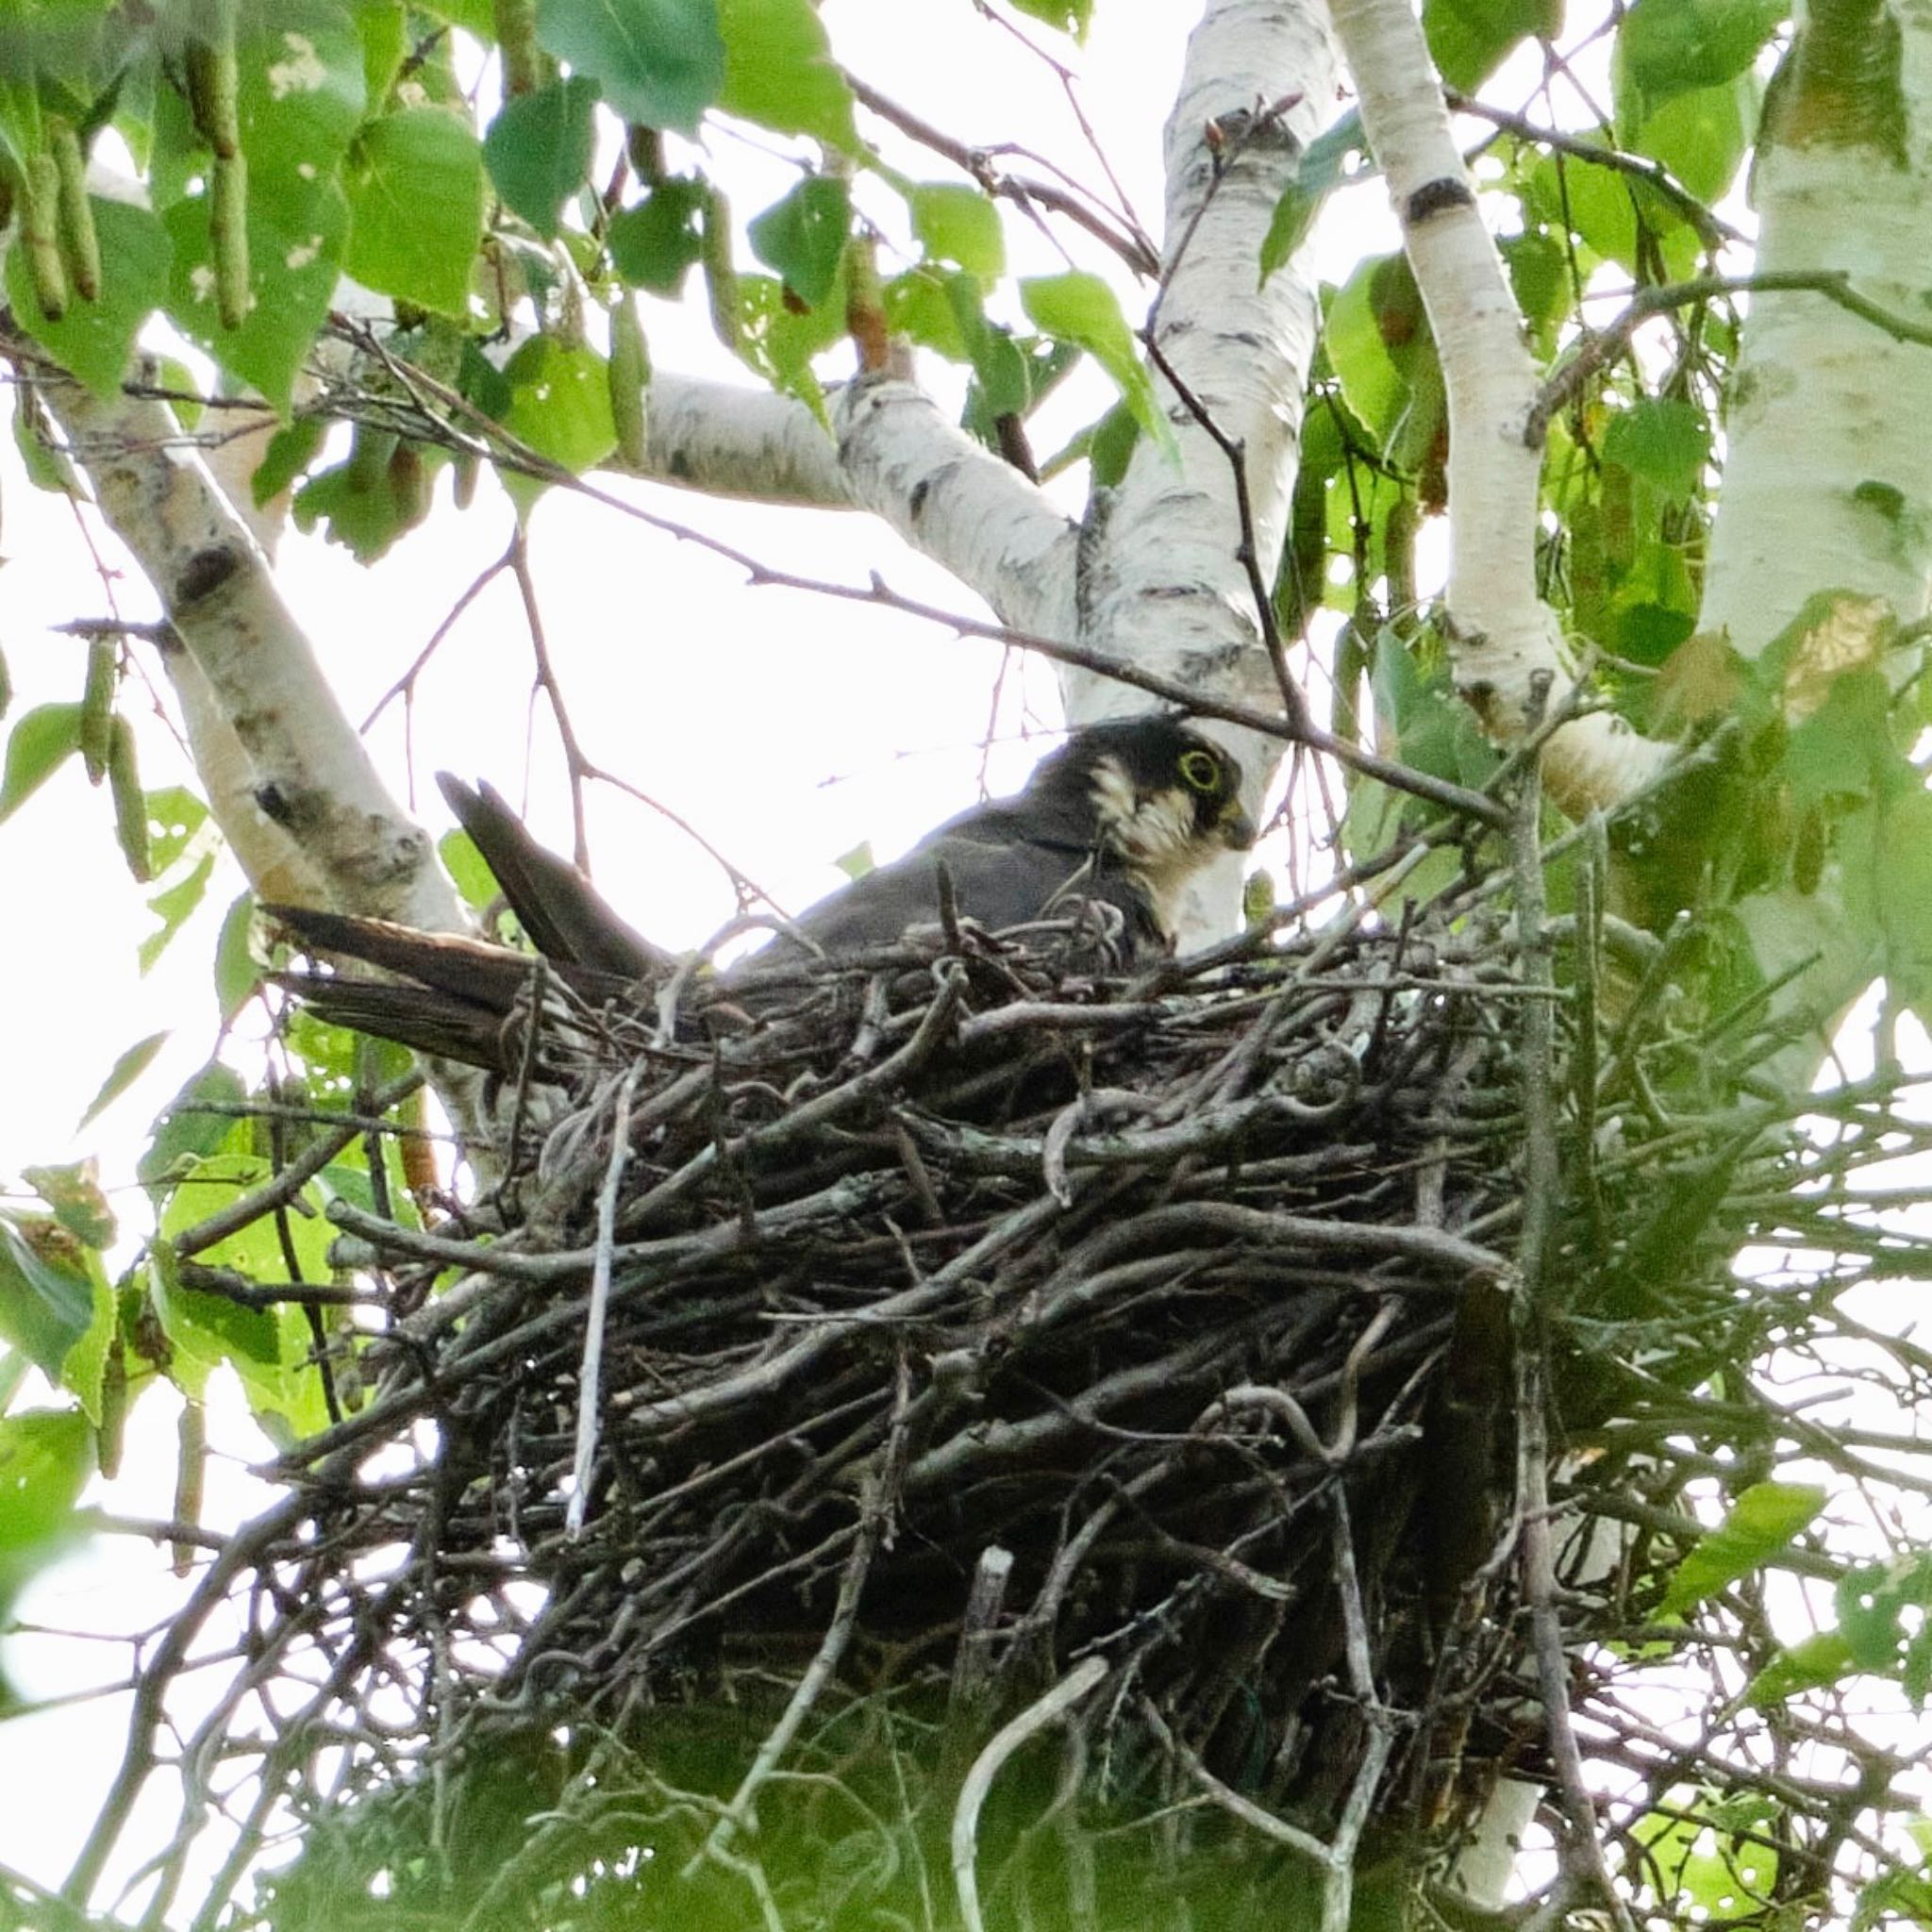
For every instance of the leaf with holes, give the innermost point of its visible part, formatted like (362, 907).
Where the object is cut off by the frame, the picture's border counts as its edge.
(803, 236)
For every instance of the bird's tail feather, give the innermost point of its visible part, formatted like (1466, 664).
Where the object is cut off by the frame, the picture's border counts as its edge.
(565, 916)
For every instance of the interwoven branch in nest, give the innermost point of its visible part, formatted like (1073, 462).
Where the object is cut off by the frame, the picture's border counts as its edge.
(968, 1328)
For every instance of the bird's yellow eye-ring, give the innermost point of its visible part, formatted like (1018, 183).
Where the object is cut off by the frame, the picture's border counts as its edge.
(1202, 770)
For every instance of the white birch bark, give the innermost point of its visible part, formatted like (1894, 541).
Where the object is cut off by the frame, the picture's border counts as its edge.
(730, 439)
(1503, 634)
(1829, 479)
(307, 775)
(1160, 579)
(957, 502)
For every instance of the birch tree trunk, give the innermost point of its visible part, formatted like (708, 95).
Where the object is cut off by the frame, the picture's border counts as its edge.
(1828, 477)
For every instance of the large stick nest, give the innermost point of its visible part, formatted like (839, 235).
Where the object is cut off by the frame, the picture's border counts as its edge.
(957, 1320)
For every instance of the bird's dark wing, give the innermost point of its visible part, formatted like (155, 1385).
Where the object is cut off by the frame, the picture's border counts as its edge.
(1001, 876)
(564, 915)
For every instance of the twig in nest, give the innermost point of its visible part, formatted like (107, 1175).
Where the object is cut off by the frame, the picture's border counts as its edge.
(1044, 1710)
(875, 1513)
(589, 1377)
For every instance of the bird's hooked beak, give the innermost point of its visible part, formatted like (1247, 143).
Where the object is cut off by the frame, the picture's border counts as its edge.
(1236, 827)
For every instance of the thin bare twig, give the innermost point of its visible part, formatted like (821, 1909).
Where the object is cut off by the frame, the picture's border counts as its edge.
(1128, 243)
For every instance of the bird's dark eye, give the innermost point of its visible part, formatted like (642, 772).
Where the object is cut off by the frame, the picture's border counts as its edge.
(1202, 770)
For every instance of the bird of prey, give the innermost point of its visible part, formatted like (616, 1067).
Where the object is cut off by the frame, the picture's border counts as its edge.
(1119, 818)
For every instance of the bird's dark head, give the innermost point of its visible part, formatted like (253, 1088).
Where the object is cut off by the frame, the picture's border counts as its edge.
(1164, 799)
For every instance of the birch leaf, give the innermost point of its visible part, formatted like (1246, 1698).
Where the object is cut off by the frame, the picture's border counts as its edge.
(539, 149)
(1082, 309)
(1761, 1522)
(779, 70)
(658, 61)
(803, 236)
(416, 209)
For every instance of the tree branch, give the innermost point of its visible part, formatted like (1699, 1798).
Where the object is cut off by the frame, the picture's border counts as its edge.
(309, 774)
(956, 502)
(1502, 634)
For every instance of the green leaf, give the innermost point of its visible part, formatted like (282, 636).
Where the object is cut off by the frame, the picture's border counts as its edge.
(654, 243)
(46, 1457)
(1323, 168)
(960, 225)
(468, 870)
(1841, 750)
(658, 61)
(123, 1074)
(416, 209)
(210, 1328)
(1417, 702)
(1081, 308)
(919, 306)
(183, 1133)
(538, 149)
(1700, 135)
(301, 97)
(997, 359)
(385, 34)
(1382, 351)
(358, 502)
(46, 1297)
(176, 375)
(778, 335)
(41, 742)
(290, 452)
(46, 467)
(1110, 447)
(803, 236)
(1664, 441)
(294, 261)
(174, 815)
(255, 1250)
(173, 906)
(1469, 37)
(779, 70)
(1540, 278)
(1576, 196)
(1669, 46)
(92, 341)
(858, 861)
(1810, 1664)
(1069, 16)
(237, 974)
(268, 1349)
(1761, 1524)
(1886, 853)
(559, 405)
(303, 93)
(1881, 1609)
(73, 1193)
